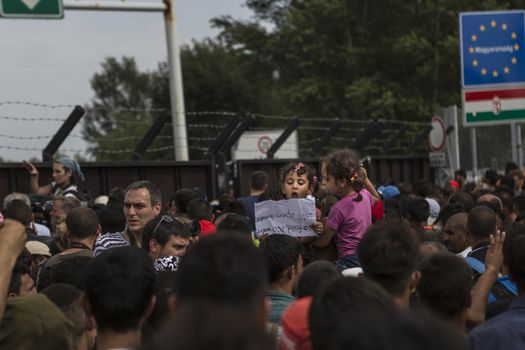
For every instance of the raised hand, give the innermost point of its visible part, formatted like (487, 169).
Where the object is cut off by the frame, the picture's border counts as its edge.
(30, 168)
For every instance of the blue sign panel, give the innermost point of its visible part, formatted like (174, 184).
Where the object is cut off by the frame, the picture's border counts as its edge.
(492, 48)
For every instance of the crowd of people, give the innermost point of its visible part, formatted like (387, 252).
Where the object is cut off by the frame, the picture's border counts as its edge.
(395, 266)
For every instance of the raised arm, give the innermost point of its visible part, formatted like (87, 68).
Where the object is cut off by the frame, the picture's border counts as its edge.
(480, 291)
(12, 240)
(368, 184)
(33, 179)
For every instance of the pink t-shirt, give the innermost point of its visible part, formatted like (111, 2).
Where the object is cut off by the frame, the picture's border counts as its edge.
(349, 220)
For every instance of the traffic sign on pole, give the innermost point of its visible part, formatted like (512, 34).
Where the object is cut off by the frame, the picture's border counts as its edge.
(436, 137)
(35, 9)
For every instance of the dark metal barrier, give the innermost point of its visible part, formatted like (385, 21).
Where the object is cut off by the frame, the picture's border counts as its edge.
(381, 170)
(101, 177)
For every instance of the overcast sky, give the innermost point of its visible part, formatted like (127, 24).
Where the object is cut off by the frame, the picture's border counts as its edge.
(51, 62)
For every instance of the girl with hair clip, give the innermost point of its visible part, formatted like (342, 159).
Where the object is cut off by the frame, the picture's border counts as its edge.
(350, 217)
(298, 180)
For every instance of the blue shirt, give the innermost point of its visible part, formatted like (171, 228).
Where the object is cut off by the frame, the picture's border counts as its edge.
(250, 205)
(505, 331)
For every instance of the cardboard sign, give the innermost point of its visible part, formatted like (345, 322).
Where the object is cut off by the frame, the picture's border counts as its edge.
(292, 217)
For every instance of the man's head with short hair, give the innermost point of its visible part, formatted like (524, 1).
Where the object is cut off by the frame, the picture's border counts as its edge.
(315, 276)
(388, 253)
(237, 206)
(68, 203)
(18, 210)
(63, 206)
(407, 331)
(164, 238)
(429, 248)
(342, 302)
(444, 286)
(455, 233)
(119, 289)
(417, 211)
(68, 299)
(491, 198)
(199, 209)
(224, 269)
(69, 271)
(207, 325)
(258, 181)
(82, 223)
(142, 202)
(450, 210)
(462, 198)
(232, 222)
(481, 223)
(179, 201)
(112, 218)
(283, 256)
(16, 195)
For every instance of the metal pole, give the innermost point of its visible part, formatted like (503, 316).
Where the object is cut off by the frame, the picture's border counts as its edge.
(114, 5)
(473, 147)
(513, 142)
(62, 133)
(290, 128)
(453, 110)
(178, 115)
(519, 146)
(149, 136)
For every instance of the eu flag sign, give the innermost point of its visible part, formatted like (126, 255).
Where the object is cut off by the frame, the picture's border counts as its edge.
(492, 48)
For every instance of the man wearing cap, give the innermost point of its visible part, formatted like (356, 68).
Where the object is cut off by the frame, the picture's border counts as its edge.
(143, 202)
(434, 209)
(39, 253)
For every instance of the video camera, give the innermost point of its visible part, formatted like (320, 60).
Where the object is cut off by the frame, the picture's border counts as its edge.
(41, 206)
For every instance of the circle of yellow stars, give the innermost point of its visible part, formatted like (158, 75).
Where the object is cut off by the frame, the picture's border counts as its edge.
(474, 38)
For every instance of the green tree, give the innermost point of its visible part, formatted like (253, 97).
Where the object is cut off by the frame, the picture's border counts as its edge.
(319, 59)
(359, 59)
(216, 78)
(111, 123)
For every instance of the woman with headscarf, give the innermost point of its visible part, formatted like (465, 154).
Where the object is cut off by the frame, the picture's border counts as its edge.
(66, 176)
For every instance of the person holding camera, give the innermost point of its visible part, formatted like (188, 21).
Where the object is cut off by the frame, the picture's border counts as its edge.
(66, 175)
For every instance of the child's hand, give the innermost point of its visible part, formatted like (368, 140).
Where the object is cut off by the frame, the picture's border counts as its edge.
(318, 227)
(362, 174)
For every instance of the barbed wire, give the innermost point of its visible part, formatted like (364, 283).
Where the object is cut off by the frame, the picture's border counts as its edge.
(211, 113)
(317, 128)
(205, 113)
(32, 104)
(30, 119)
(306, 142)
(257, 151)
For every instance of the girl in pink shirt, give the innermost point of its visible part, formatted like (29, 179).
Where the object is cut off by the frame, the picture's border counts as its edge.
(352, 214)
